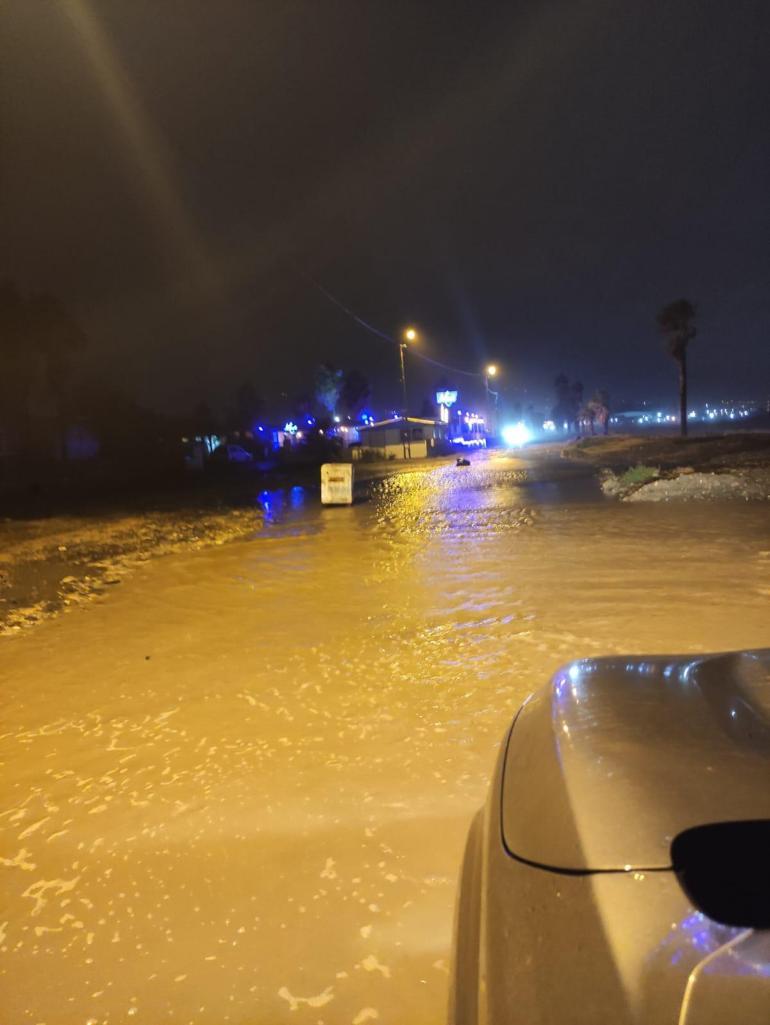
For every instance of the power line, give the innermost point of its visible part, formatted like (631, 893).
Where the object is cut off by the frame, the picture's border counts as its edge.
(359, 320)
(382, 335)
(444, 366)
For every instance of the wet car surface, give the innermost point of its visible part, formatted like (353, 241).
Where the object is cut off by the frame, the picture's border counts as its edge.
(622, 852)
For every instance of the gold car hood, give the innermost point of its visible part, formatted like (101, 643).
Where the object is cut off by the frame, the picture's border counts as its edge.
(616, 756)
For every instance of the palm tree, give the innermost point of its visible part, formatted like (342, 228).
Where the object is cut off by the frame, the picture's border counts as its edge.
(600, 404)
(676, 322)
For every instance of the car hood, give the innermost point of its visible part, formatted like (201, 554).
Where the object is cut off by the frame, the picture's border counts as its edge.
(616, 756)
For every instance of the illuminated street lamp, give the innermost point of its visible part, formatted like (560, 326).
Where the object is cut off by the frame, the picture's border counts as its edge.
(409, 335)
(491, 371)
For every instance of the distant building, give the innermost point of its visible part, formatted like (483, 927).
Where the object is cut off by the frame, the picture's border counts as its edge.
(626, 416)
(405, 437)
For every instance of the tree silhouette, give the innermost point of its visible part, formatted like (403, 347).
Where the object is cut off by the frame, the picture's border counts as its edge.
(56, 336)
(328, 383)
(248, 407)
(354, 391)
(568, 400)
(203, 421)
(600, 404)
(676, 323)
(38, 341)
(303, 404)
(126, 430)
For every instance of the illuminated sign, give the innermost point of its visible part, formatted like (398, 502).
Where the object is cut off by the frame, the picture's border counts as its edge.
(446, 398)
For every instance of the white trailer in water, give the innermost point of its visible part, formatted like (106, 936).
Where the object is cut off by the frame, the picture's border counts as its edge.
(337, 484)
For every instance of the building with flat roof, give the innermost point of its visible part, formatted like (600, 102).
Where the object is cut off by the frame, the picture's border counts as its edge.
(405, 437)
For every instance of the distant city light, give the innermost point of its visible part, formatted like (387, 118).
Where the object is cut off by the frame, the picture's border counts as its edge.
(336, 418)
(705, 414)
(290, 427)
(549, 425)
(516, 435)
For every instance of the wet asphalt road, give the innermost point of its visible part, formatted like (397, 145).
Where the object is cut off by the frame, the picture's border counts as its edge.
(236, 788)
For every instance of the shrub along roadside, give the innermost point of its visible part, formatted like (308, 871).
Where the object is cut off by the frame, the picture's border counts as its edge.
(638, 475)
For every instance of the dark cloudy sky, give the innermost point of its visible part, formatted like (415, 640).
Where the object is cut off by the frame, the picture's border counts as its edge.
(527, 182)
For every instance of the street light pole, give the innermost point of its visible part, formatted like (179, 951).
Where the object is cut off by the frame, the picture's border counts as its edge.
(401, 348)
(410, 335)
(490, 371)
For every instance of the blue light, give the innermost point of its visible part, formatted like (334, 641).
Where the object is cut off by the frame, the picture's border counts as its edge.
(696, 934)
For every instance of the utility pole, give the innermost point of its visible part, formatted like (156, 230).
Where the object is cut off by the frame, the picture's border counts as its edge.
(409, 335)
(490, 371)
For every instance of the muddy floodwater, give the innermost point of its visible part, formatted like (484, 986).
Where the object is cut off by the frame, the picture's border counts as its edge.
(236, 787)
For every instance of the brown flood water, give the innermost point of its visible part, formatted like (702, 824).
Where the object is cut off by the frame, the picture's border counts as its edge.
(236, 788)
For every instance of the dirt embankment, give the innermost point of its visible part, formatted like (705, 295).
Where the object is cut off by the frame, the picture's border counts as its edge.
(52, 565)
(661, 469)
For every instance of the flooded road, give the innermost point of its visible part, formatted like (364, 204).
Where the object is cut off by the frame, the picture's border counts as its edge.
(236, 789)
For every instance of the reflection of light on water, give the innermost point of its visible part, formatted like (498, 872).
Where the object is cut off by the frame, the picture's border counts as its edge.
(265, 500)
(276, 501)
(286, 506)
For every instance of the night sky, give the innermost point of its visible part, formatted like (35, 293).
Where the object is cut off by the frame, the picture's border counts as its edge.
(526, 182)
